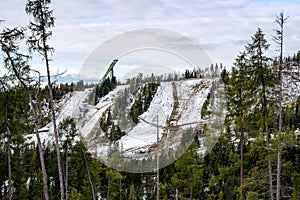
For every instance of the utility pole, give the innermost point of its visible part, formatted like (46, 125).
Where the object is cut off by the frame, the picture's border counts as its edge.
(157, 160)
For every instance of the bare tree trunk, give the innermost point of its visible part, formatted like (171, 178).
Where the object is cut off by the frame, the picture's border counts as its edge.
(270, 179)
(108, 191)
(52, 104)
(89, 175)
(40, 149)
(278, 176)
(191, 187)
(9, 163)
(67, 172)
(36, 126)
(279, 40)
(268, 145)
(43, 20)
(241, 163)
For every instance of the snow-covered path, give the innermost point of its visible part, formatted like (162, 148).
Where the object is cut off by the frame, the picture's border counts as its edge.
(92, 122)
(75, 105)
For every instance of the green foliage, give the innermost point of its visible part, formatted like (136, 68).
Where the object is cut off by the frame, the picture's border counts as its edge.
(225, 76)
(205, 110)
(104, 88)
(187, 176)
(112, 131)
(132, 192)
(249, 90)
(143, 101)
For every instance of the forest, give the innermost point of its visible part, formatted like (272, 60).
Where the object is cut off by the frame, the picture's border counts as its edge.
(257, 156)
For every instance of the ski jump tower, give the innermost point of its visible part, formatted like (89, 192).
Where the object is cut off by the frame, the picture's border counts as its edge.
(109, 70)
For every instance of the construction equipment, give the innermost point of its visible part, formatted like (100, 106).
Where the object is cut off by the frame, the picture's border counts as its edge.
(110, 69)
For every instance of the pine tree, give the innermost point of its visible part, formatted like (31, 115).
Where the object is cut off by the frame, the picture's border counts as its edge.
(187, 178)
(239, 101)
(40, 27)
(263, 85)
(67, 130)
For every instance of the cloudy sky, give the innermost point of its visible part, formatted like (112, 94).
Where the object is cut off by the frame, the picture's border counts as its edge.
(220, 27)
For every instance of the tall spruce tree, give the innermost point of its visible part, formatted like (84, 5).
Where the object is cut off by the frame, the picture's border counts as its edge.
(263, 85)
(40, 29)
(239, 101)
(249, 92)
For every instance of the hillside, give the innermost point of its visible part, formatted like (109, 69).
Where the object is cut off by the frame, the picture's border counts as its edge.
(176, 105)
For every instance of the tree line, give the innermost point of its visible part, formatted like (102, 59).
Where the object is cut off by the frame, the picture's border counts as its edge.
(256, 157)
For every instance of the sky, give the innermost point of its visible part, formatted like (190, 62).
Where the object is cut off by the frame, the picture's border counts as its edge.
(220, 27)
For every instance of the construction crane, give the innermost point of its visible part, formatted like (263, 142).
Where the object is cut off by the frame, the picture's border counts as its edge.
(110, 69)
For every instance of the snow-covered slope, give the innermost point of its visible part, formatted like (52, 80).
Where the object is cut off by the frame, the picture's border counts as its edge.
(189, 94)
(75, 105)
(291, 84)
(70, 106)
(174, 111)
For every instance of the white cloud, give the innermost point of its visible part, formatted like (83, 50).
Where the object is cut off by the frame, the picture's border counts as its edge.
(222, 27)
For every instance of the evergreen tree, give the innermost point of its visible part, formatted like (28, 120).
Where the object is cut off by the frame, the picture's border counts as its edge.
(187, 178)
(263, 85)
(67, 132)
(239, 102)
(16, 63)
(40, 29)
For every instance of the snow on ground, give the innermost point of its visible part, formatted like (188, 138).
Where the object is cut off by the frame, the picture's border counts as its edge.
(191, 96)
(143, 133)
(191, 99)
(92, 122)
(75, 105)
(70, 106)
(291, 85)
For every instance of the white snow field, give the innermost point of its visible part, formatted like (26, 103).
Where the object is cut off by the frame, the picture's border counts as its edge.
(191, 95)
(75, 105)
(174, 110)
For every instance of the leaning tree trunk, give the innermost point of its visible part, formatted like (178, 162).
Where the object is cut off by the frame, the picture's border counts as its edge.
(41, 153)
(52, 107)
(43, 20)
(52, 104)
(36, 126)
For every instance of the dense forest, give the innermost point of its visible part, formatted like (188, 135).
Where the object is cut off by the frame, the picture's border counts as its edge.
(257, 156)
